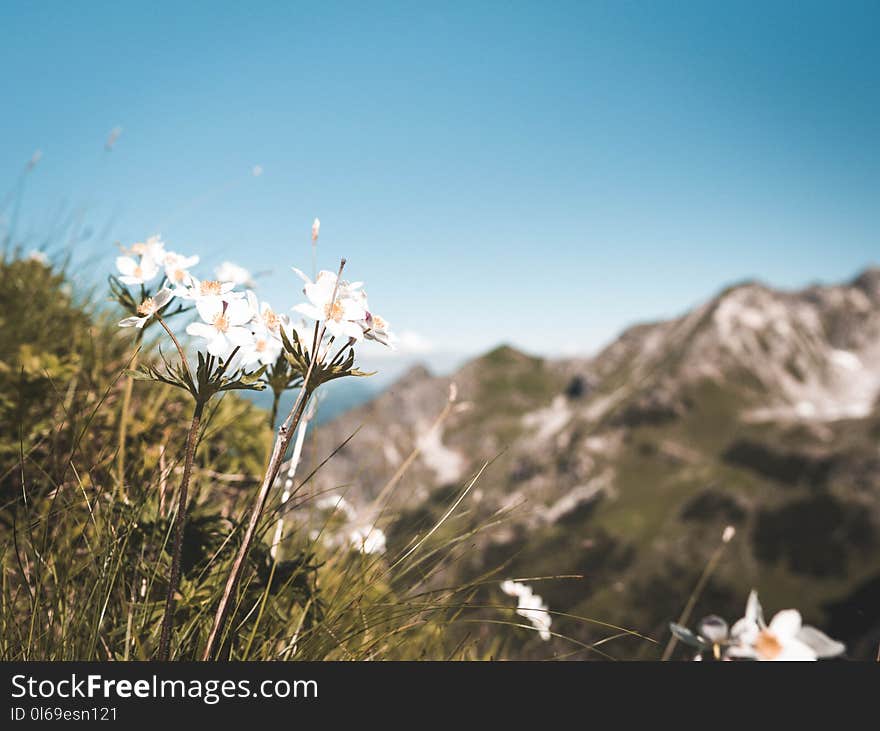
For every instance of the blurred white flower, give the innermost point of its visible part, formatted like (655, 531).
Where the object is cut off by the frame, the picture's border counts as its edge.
(785, 638)
(112, 138)
(153, 248)
(238, 275)
(223, 325)
(137, 272)
(35, 158)
(316, 229)
(530, 606)
(338, 306)
(728, 534)
(368, 539)
(39, 256)
(378, 329)
(149, 307)
(177, 268)
(336, 502)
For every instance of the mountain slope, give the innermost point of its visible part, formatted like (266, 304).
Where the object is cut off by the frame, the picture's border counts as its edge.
(756, 409)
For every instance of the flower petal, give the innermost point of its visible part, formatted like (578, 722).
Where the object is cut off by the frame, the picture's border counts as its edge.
(219, 346)
(201, 330)
(239, 336)
(209, 308)
(786, 624)
(309, 311)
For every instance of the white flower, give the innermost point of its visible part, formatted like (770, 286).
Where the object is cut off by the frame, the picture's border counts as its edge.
(340, 313)
(368, 539)
(316, 228)
(530, 606)
(38, 256)
(265, 316)
(263, 349)
(333, 502)
(149, 307)
(223, 325)
(378, 329)
(229, 272)
(177, 268)
(208, 289)
(137, 272)
(785, 638)
(153, 248)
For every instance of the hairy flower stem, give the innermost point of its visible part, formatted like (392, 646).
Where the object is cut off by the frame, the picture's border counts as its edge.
(282, 441)
(179, 526)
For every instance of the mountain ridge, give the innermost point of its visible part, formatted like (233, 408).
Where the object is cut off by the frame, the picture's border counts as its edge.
(756, 408)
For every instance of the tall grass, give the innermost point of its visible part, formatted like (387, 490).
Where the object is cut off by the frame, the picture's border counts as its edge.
(87, 510)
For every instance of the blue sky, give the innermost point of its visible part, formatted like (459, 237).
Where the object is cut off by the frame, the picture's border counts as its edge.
(543, 174)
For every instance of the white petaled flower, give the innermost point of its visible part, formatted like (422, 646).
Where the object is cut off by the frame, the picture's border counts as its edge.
(334, 302)
(208, 289)
(223, 325)
(316, 229)
(153, 248)
(139, 271)
(230, 272)
(368, 539)
(264, 348)
(378, 329)
(785, 638)
(177, 268)
(265, 316)
(530, 606)
(146, 309)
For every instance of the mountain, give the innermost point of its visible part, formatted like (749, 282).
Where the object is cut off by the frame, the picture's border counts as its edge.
(757, 409)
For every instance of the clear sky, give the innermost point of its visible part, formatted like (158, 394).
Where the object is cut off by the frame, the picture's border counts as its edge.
(540, 173)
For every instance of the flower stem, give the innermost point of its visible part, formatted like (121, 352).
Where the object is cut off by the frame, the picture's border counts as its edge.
(179, 525)
(282, 442)
(273, 416)
(176, 342)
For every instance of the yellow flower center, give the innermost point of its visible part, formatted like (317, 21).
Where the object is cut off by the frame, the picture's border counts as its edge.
(767, 645)
(210, 287)
(221, 322)
(179, 275)
(378, 323)
(334, 311)
(271, 320)
(261, 345)
(138, 272)
(147, 307)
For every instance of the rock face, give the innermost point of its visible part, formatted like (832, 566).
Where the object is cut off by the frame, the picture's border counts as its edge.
(756, 409)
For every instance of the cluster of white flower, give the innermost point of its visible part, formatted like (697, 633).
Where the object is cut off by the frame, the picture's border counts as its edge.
(343, 307)
(232, 319)
(786, 637)
(530, 606)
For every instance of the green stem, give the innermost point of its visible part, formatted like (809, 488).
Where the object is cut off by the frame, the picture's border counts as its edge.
(179, 526)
